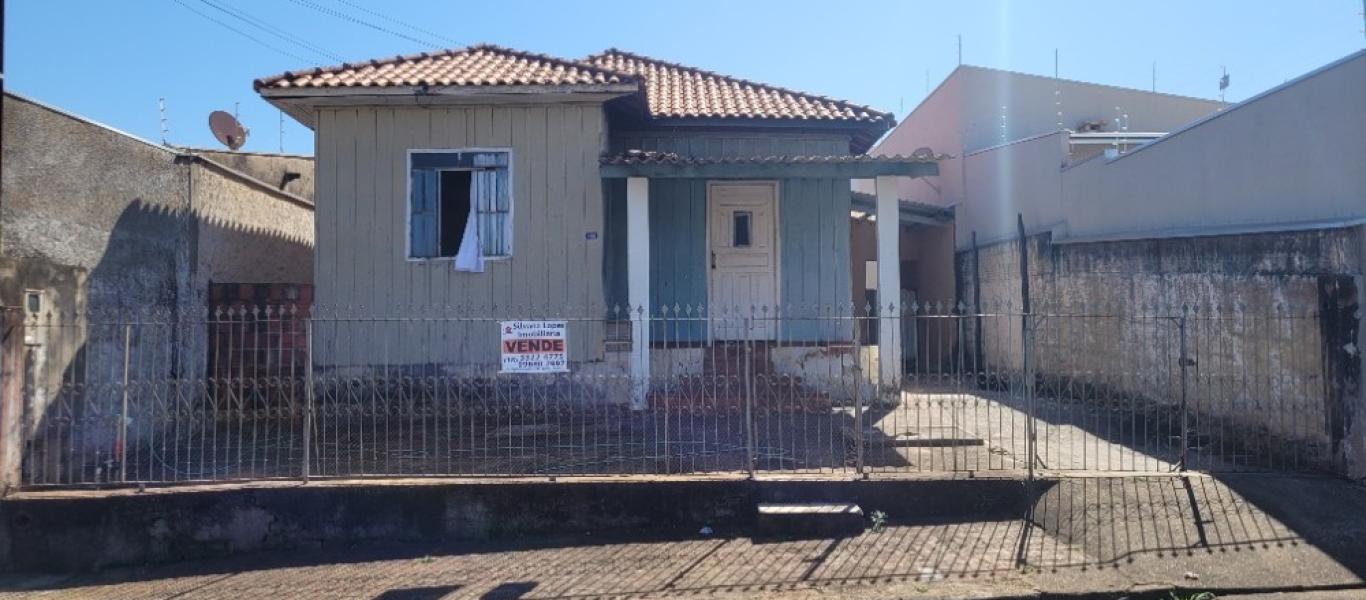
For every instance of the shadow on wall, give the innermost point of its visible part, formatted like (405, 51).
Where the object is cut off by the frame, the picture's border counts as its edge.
(137, 325)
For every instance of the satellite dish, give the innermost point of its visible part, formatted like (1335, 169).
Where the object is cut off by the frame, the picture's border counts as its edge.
(923, 152)
(227, 130)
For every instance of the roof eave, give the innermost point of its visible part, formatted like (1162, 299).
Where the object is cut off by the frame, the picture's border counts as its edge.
(446, 90)
(863, 132)
(301, 103)
(763, 169)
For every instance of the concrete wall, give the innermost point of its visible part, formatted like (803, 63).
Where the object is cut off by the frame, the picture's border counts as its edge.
(1270, 322)
(976, 108)
(76, 532)
(269, 168)
(247, 234)
(142, 226)
(78, 195)
(109, 229)
(1023, 177)
(1296, 154)
(1264, 151)
(557, 198)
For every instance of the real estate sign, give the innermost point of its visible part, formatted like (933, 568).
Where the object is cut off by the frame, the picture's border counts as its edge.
(534, 347)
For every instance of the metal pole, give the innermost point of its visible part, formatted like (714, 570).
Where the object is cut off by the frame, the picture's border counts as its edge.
(123, 411)
(1026, 343)
(749, 398)
(979, 353)
(1184, 361)
(858, 398)
(308, 400)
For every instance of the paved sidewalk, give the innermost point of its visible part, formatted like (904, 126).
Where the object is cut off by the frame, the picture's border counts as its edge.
(1234, 535)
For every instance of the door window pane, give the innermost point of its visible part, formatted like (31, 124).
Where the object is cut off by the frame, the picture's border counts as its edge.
(741, 236)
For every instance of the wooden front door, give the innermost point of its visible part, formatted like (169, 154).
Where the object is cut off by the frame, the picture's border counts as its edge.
(742, 239)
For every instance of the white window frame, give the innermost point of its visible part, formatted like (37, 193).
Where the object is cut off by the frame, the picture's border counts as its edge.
(408, 200)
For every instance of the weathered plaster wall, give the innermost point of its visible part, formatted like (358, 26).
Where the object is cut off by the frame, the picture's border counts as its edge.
(86, 197)
(145, 225)
(110, 229)
(269, 168)
(246, 234)
(1270, 319)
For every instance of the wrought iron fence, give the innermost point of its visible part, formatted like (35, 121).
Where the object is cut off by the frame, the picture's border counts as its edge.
(246, 393)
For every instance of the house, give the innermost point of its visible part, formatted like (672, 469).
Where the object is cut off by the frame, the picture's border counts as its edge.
(978, 111)
(1138, 203)
(620, 192)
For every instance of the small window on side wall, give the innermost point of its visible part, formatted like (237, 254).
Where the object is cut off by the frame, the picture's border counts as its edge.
(460, 197)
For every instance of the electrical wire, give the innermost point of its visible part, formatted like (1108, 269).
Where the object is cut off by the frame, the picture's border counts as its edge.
(273, 30)
(243, 33)
(434, 35)
(362, 22)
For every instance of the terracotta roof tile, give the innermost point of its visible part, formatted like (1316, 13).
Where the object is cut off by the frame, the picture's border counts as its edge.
(673, 91)
(482, 65)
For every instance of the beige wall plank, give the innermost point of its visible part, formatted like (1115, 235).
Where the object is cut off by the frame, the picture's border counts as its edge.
(362, 235)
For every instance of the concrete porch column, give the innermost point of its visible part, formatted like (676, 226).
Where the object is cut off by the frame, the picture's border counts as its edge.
(888, 283)
(638, 284)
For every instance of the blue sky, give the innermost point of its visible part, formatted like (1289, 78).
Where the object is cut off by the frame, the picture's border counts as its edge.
(112, 60)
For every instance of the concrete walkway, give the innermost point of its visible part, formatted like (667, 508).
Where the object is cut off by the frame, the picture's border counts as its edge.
(1234, 535)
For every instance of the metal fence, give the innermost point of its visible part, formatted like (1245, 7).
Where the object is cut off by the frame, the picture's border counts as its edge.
(247, 393)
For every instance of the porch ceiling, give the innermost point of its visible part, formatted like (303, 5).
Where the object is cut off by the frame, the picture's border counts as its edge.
(663, 165)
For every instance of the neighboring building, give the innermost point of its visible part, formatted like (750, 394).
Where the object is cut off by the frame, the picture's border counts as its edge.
(973, 110)
(94, 219)
(100, 229)
(610, 188)
(1249, 211)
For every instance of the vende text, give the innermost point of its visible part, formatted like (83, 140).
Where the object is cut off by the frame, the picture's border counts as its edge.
(532, 346)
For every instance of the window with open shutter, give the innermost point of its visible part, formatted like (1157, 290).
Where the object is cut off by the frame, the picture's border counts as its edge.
(451, 188)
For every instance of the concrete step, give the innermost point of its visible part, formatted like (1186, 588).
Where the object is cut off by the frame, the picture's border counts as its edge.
(929, 437)
(810, 519)
(913, 441)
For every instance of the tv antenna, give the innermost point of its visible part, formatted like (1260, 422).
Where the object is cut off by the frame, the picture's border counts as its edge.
(227, 130)
(1223, 83)
(161, 108)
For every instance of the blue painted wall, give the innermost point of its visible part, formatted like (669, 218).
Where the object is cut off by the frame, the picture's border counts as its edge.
(813, 229)
(813, 224)
(729, 144)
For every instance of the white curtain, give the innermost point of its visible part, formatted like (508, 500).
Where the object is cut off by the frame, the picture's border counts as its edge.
(470, 257)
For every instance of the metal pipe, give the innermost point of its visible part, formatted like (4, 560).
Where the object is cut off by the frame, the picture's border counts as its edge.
(308, 400)
(123, 411)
